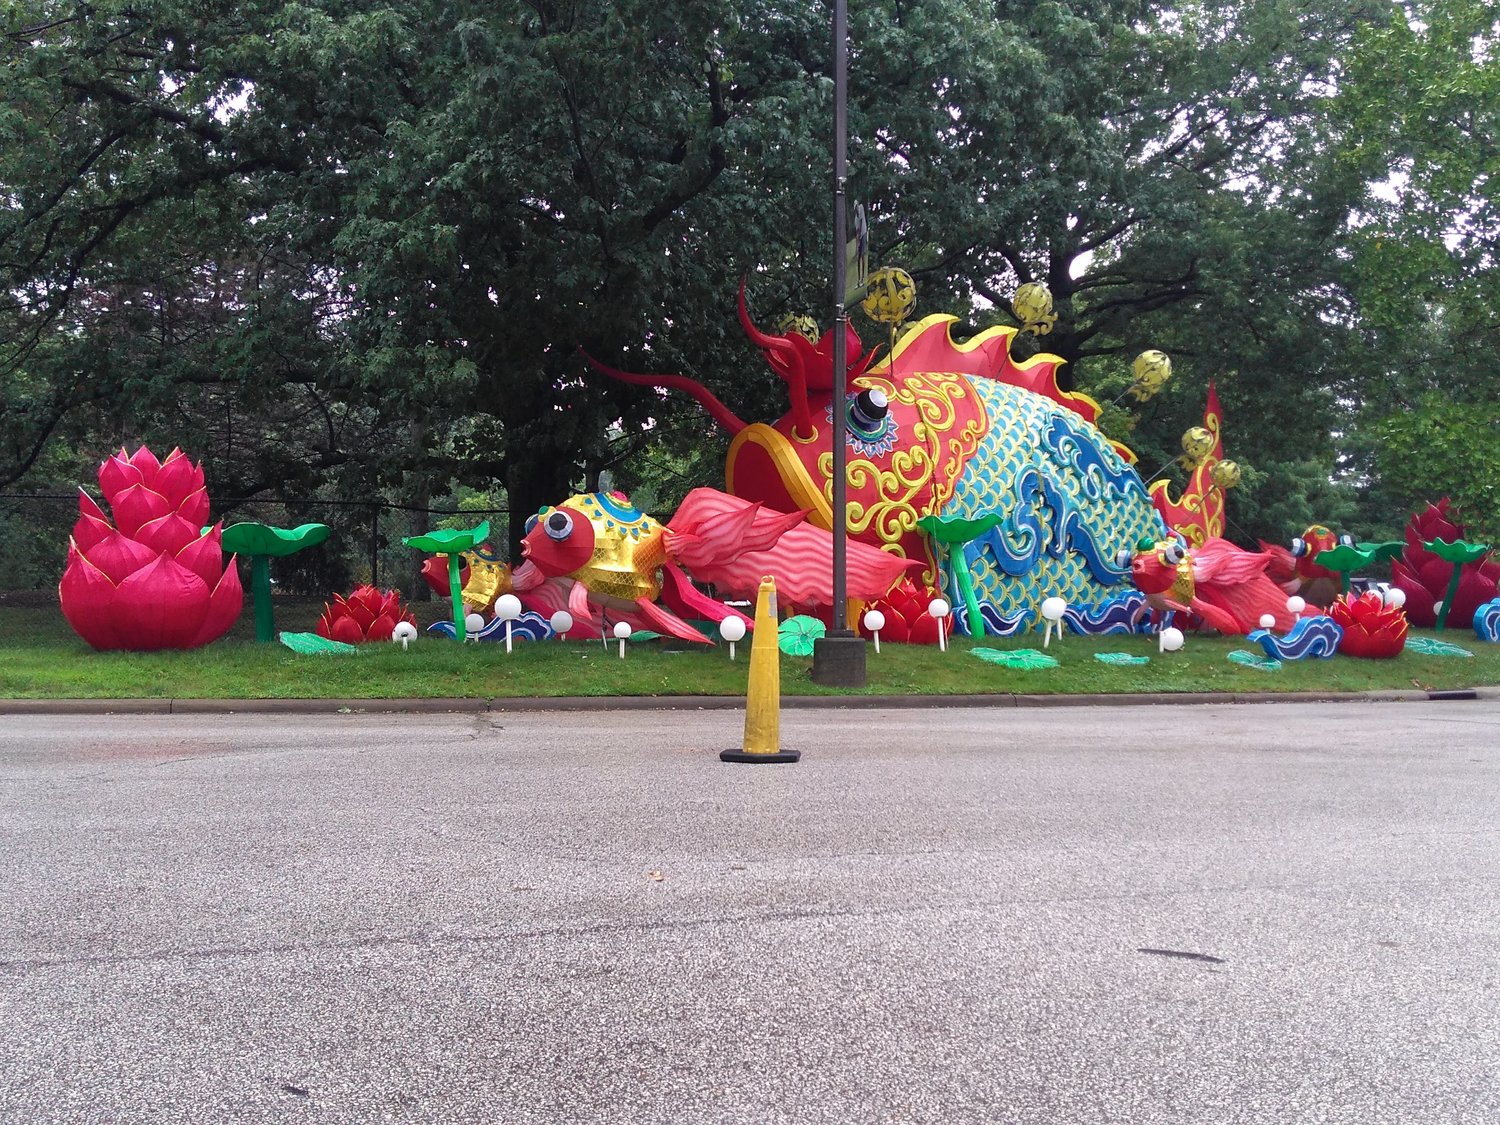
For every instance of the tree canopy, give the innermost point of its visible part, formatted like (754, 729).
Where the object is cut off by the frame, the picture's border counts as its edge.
(349, 246)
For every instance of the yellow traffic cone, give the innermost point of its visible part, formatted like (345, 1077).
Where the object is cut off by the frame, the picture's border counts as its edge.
(763, 695)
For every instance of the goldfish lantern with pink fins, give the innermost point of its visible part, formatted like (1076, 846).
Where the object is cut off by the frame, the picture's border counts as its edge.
(960, 431)
(155, 578)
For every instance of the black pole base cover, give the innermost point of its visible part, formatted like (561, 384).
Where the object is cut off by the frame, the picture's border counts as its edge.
(757, 759)
(839, 660)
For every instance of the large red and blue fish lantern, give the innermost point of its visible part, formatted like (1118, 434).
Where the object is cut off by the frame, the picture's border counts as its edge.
(960, 431)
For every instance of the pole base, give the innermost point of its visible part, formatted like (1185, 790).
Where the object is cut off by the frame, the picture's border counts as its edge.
(839, 660)
(744, 756)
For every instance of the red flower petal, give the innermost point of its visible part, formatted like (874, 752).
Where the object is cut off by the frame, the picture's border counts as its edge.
(138, 505)
(169, 534)
(381, 628)
(224, 606)
(175, 480)
(194, 509)
(116, 475)
(345, 629)
(204, 556)
(92, 524)
(118, 556)
(162, 605)
(144, 460)
(87, 598)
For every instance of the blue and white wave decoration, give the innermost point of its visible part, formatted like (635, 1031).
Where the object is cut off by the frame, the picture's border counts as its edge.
(1116, 615)
(995, 624)
(530, 626)
(1311, 636)
(1487, 621)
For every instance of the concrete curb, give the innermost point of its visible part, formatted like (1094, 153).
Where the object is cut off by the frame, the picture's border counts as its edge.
(700, 702)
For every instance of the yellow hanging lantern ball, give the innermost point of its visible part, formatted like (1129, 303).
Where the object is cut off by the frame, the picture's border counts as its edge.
(1151, 370)
(800, 323)
(1225, 474)
(1033, 307)
(1197, 443)
(890, 295)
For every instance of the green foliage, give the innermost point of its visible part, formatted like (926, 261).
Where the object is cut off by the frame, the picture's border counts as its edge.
(1445, 448)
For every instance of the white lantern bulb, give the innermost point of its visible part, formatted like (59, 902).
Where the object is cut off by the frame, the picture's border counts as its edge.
(732, 629)
(1053, 609)
(507, 607)
(1268, 620)
(1296, 605)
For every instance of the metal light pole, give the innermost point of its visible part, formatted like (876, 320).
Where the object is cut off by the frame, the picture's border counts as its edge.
(839, 658)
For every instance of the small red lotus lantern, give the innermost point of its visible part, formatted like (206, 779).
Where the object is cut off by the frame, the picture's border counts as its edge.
(1372, 629)
(907, 621)
(154, 578)
(367, 614)
(1424, 576)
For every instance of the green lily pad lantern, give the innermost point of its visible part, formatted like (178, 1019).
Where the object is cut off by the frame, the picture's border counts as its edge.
(796, 635)
(1459, 552)
(1346, 558)
(261, 543)
(952, 533)
(452, 543)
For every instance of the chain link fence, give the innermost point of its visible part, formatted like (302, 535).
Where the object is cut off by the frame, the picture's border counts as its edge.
(365, 545)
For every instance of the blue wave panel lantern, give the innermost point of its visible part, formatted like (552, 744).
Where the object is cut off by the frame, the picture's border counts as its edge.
(1311, 637)
(1487, 621)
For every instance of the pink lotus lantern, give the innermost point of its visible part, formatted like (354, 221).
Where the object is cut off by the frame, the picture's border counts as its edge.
(153, 579)
(1424, 577)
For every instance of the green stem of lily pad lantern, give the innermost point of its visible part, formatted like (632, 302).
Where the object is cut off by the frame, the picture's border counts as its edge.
(456, 592)
(260, 593)
(966, 588)
(1448, 598)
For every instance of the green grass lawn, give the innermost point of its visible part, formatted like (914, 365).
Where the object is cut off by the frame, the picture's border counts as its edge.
(41, 658)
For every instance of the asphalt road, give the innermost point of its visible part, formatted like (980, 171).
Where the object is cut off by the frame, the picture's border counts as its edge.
(1157, 914)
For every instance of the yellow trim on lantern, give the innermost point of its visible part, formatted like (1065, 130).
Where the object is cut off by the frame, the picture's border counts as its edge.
(794, 475)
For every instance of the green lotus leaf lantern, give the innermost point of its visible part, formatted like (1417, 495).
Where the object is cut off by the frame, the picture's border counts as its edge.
(452, 543)
(1460, 552)
(261, 543)
(952, 533)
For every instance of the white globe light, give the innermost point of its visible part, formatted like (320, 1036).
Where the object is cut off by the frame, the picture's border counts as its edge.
(1395, 597)
(1268, 620)
(473, 623)
(938, 607)
(1171, 639)
(874, 621)
(561, 622)
(1054, 608)
(1295, 605)
(732, 629)
(622, 629)
(507, 607)
(404, 631)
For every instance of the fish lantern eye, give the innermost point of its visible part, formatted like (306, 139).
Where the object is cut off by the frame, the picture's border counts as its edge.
(1299, 548)
(1172, 553)
(868, 412)
(1123, 557)
(1346, 540)
(530, 524)
(559, 526)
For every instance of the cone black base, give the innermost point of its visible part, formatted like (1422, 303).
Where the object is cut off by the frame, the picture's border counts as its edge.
(742, 756)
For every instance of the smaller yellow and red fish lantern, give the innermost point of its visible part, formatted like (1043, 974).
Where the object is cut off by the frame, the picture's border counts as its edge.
(1373, 629)
(599, 557)
(1295, 567)
(1218, 582)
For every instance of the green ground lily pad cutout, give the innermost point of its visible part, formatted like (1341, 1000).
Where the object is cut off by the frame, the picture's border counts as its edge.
(1254, 660)
(1120, 658)
(1024, 659)
(1429, 647)
(796, 635)
(310, 644)
(641, 636)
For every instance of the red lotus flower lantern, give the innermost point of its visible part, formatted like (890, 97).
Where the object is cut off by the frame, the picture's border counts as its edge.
(367, 614)
(1424, 576)
(1372, 629)
(906, 618)
(153, 579)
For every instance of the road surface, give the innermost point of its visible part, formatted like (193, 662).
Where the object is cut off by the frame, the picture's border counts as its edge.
(1277, 913)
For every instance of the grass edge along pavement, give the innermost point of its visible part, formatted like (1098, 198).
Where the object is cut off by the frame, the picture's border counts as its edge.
(40, 659)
